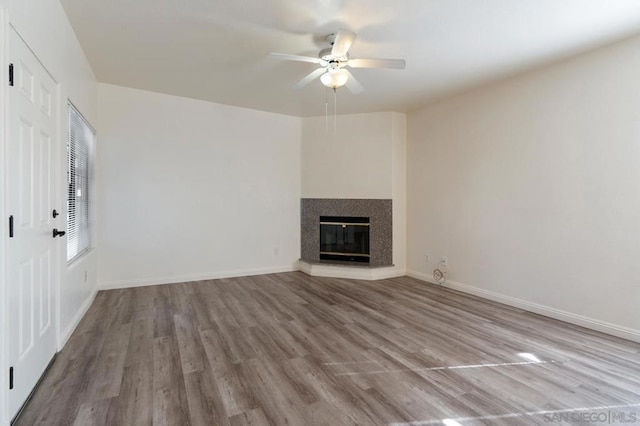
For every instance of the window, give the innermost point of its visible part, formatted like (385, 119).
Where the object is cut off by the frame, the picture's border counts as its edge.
(79, 146)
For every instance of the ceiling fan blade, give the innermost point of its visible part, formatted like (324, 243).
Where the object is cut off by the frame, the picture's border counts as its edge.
(399, 64)
(299, 58)
(342, 43)
(352, 84)
(309, 78)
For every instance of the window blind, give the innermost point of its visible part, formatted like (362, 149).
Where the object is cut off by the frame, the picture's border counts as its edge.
(80, 143)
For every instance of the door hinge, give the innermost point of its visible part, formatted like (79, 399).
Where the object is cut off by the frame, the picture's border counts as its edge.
(10, 74)
(11, 226)
(10, 378)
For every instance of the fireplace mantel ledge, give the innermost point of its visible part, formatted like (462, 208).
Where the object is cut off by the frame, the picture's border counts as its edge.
(356, 272)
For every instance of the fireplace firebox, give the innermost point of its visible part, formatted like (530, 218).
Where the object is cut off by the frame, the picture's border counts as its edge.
(344, 238)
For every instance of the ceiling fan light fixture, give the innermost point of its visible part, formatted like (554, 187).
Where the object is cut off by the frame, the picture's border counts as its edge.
(334, 78)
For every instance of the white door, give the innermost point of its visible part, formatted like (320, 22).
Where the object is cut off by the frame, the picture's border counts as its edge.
(32, 250)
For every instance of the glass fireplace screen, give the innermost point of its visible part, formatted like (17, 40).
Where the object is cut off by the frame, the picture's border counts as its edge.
(344, 238)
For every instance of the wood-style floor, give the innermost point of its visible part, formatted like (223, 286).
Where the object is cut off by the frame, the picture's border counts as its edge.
(289, 349)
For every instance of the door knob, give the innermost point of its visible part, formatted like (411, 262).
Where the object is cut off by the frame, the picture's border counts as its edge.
(57, 233)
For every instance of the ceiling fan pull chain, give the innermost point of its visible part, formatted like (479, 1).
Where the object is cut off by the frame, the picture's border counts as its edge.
(335, 112)
(326, 112)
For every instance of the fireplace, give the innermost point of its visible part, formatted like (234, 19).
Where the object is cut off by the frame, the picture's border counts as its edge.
(376, 250)
(344, 238)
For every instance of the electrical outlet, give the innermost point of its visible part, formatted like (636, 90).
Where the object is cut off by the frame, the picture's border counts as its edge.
(427, 258)
(445, 261)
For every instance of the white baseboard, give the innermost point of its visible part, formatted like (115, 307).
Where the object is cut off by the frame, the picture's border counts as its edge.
(350, 272)
(68, 331)
(591, 323)
(112, 285)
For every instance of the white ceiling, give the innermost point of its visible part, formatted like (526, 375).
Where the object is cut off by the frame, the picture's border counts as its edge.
(217, 50)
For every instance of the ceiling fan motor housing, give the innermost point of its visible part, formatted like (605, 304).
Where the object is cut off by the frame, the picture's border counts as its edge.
(333, 62)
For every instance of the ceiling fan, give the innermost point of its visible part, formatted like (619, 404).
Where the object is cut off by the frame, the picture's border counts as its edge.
(334, 60)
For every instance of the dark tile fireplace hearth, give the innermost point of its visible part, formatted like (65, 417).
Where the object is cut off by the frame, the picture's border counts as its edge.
(347, 231)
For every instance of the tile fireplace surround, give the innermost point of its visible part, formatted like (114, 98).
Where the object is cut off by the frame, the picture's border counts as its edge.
(380, 233)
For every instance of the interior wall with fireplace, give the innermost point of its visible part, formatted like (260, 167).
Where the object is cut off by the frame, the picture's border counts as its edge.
(364, 157)
(191, 189)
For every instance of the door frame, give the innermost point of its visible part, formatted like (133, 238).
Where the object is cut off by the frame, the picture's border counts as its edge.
(4, 369)
(59, 261)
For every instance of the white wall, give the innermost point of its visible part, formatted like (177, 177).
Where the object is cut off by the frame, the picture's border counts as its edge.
(192, 190)
(530, 187)
(363, 157)
(354, 161)
(399, 188)
(45, 28)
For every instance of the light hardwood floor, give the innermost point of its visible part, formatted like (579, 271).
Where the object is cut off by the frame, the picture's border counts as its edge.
(292, 349)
